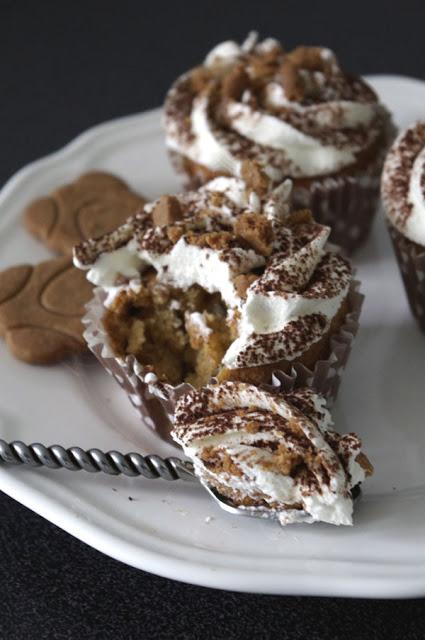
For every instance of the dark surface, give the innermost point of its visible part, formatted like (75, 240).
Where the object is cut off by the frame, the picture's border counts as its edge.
(54, 586)
(64, 68)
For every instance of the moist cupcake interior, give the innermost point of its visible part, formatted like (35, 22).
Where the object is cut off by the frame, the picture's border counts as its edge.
(225, 284)
(280, 458)
(182, 334)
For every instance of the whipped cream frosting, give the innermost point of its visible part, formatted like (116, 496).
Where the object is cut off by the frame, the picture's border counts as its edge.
(246, 426)
(403, 183)
(293, 293)
(338, 117)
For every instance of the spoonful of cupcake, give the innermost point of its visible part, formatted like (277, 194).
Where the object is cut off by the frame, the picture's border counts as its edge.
(257, 453)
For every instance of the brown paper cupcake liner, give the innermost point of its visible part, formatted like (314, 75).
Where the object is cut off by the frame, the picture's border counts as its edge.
(347, 204)
(411, 262)
(155, 401)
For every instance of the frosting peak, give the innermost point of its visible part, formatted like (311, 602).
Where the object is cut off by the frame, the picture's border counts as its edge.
(297, 112)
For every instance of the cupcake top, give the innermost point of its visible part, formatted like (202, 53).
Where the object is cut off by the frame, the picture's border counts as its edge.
(403, 183)
(272, 452)
(233, 236)
(298, 113)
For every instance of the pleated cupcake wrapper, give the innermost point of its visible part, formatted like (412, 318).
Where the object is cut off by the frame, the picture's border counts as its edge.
(347, 204)
(155, 401)
(411, 262)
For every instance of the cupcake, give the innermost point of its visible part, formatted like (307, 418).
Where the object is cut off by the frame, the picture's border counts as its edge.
(224, 282)
(403, 194)
(271, 454)
(298, 114)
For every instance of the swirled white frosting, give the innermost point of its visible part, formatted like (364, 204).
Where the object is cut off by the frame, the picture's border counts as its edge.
(403, 183)
(205, 148)
(288, 307)
(301, 139)
(247, 425)
(308, 154)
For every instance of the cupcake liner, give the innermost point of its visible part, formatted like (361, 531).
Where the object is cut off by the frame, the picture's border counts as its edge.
(347, 204)
(155, 401)
(411, 262)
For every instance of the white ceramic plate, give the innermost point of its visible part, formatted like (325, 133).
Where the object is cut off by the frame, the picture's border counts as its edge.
(165, 529)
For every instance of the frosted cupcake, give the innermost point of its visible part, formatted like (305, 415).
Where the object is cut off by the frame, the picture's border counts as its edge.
(221, 282)
(299, 114)
(403, 194)
(273, 454)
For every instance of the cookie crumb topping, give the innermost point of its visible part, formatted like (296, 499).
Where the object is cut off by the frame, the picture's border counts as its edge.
(167, 210)
(279, 287)
(297, 112)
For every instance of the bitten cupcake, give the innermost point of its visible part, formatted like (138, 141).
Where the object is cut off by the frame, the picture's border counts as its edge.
(271, 454)
(403, 194)
(222, 282)
(298, 114)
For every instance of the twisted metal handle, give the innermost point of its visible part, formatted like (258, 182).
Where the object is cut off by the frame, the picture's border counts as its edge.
(94, 460)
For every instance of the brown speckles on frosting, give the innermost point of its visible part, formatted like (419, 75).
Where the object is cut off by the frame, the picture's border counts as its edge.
(279, 284)
(291, 270)
(247, 419)
(270, 450)
(136, 228)
(310, 404)
(217, 409)
(331, 276)
(397, 189)
(289, 343)
(333, 111)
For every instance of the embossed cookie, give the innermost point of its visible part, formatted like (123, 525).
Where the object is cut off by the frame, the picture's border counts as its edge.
(95, 204)
(41, 308)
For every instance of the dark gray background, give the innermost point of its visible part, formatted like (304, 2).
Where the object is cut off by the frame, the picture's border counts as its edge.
(65, 67)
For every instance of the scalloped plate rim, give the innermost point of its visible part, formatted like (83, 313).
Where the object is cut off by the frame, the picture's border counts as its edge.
(380, 579)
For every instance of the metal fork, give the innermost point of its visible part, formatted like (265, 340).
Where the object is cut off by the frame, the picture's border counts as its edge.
(115, 463)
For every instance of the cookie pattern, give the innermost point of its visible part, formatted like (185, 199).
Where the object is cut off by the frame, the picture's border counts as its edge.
(41, 309)
(95, 204)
